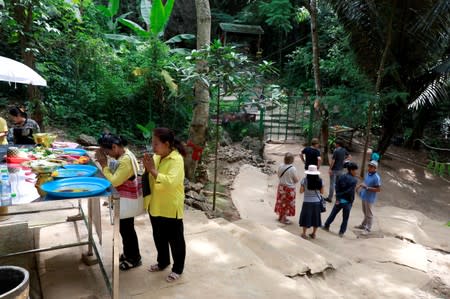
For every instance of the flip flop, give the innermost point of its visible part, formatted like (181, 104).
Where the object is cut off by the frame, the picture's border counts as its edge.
(127, 265)
(154, 268)
(285, 221)
(172, 277)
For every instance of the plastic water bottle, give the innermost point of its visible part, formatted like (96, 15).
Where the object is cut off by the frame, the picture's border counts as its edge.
(5, 188)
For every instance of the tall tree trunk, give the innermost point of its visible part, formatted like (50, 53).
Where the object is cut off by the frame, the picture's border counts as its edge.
(200, 116)
(319, 106)
(391, 117)
(420, 121)
(380, 74)
(24, 16)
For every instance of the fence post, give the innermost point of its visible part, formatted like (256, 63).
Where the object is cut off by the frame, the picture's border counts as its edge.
(261, 124)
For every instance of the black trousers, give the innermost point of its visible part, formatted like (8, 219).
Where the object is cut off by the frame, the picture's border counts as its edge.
(129, 239)
(169, 232)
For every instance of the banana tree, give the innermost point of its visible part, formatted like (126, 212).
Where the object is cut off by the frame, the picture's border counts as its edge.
(155, 14)
(110, 12)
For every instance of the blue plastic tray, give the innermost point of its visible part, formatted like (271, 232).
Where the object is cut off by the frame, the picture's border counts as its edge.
(75, 151)
(76, 187)
(70, 171)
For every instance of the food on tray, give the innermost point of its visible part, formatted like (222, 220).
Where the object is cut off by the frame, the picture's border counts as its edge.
(59, 161)
(67, 174)
(42, 166)
(72, 190)
(82, 160)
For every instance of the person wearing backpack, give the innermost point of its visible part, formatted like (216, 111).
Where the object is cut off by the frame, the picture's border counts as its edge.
(312, 187)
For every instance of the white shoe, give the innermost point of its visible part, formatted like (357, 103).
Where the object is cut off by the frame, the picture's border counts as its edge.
(365, 232)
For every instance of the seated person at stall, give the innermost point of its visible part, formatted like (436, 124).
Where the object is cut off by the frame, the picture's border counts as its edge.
(23, 127)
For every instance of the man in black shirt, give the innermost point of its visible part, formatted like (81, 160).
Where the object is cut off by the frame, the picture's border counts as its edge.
(340, 154)
(311, 155)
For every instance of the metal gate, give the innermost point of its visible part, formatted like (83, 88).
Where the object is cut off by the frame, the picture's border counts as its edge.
(287, 120)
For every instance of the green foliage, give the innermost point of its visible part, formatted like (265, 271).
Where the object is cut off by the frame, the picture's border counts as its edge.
(147, 129)
(439, 168)
(301, 14)
(240, 129)
(278, 14)
(110, 12)
(225, 66)
(347, 90)
(159, 17)
(93, 86)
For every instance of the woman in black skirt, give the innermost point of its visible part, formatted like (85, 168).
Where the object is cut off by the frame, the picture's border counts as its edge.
(312, 187)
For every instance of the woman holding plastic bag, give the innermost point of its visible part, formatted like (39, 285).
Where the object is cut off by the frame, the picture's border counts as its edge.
(123, 175)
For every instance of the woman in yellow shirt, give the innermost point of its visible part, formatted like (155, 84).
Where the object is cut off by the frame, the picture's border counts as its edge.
(3, 131)
(119, 173)
(165, 204)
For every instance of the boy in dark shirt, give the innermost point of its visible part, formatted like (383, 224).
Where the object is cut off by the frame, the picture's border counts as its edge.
(311, 155)
(345, 195)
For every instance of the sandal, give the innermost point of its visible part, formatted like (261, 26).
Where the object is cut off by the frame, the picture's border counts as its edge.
(127, 265)
(313, 236)
(304, 236)
(154, 268)
(285, 221)
(172, 277)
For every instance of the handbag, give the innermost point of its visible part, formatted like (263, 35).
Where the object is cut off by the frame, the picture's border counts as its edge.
(285, 171)
(323, 203)
(131, 196)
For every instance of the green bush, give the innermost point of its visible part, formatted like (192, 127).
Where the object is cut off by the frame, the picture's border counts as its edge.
(240, 129)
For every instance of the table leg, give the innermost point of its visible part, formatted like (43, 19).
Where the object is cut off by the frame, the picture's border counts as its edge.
(115, 261)
(89, 258)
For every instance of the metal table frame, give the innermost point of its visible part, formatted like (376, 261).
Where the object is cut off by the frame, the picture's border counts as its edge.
(114, 201)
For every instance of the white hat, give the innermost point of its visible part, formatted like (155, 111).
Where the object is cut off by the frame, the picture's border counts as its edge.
(373, 163)
(312, 169)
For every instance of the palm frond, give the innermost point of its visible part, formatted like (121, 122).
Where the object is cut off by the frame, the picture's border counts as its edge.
(420, 37)
(436, 91)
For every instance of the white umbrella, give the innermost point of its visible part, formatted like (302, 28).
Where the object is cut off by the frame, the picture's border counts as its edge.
(14, 71)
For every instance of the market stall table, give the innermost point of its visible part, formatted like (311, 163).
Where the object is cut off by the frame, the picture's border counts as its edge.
(23, 185)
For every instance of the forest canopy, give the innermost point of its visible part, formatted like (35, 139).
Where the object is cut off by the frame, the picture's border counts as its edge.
(121, 65)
